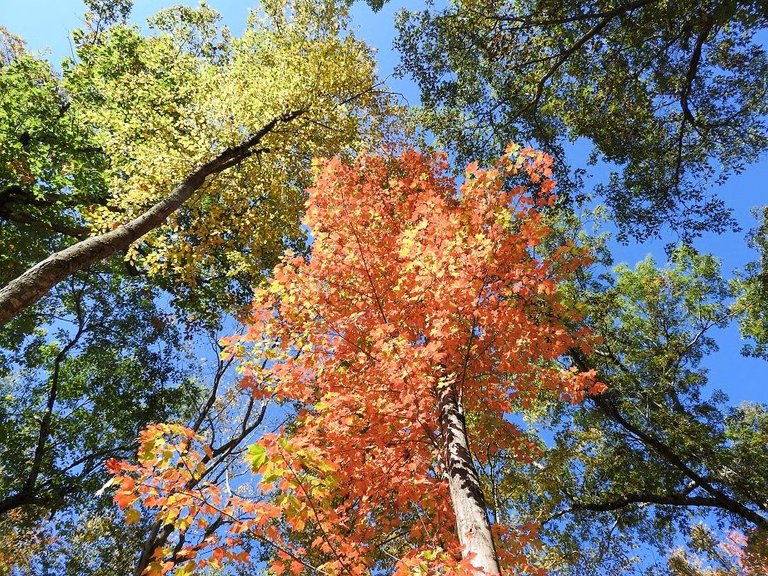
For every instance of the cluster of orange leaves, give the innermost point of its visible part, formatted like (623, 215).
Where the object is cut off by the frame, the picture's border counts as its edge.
(408, 280)
(169, 482)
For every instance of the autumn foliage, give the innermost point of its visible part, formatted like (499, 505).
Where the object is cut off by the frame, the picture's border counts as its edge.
(413, 290)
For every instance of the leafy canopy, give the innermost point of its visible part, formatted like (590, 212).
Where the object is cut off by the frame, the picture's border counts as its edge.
(133, 115)
(410, 286)
(670, 94)
(641, 466)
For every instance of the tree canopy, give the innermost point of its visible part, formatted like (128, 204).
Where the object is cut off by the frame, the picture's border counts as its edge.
(144, 191)
(203, 142)
(402, 352)
(670, 94)
(249, 327)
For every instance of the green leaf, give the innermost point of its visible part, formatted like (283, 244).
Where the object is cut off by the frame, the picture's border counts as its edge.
(257, 456)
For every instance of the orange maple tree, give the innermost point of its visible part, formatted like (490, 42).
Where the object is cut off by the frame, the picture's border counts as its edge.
(422, 320)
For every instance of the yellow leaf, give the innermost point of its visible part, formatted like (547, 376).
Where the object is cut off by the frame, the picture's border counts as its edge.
(132, 516)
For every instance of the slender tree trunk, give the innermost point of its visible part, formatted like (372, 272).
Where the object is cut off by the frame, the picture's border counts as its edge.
(38, 280)
(466, 494)
(29, 493)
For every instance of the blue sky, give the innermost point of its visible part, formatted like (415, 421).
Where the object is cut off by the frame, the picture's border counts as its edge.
(46, 26)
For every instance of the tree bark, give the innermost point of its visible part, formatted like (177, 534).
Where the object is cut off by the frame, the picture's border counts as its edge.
(467, 498)
(38, 280)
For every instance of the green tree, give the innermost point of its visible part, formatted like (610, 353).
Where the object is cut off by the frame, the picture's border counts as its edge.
(754, 288)
(659, 451)
(104, 360)
(672, 98)
(49, 166)
(671, 94)
(77, 391)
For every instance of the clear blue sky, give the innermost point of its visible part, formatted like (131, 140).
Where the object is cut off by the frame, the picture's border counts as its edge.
(46, 26)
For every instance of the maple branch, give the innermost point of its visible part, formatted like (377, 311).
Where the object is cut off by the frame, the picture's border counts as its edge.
(45, 423)
(153, 541)
(161, 531)
(376, 297)
(311, 503)
(250, 531)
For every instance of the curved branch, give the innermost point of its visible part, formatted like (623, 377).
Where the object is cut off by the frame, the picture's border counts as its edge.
(28, 493)
(688, 117)
(674, 499)
(591, 33)
(529, 20)
(79, 232)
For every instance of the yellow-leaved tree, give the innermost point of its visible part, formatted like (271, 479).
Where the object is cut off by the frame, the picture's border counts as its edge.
(206, 142)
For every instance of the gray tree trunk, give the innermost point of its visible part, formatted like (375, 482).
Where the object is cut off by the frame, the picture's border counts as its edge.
(38, 280)
(467, 499)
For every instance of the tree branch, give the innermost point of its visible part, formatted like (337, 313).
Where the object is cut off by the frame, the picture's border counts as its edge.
(38, 280)
(674, 499)
(79, 232)
(609, 409)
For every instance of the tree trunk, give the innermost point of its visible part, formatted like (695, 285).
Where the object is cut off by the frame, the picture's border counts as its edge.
(38, 280)
(466, 494)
